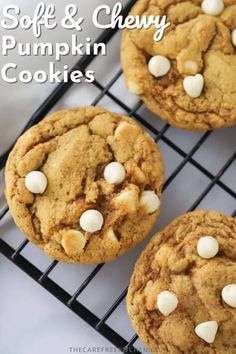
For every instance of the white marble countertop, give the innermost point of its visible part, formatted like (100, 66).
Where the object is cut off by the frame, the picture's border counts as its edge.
(31, 319)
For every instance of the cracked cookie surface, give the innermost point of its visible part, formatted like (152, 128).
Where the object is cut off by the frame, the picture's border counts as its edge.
(72, 148)
(195, 43)
(170, 262)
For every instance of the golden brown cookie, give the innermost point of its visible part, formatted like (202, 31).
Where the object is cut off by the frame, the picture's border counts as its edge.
(196, 44)
(85, 184)
(175, 299)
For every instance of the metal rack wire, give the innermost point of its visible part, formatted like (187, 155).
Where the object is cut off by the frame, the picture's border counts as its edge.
(42, 277)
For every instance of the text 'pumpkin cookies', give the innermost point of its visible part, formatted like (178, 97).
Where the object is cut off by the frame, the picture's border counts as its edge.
(182, 294)
(188, 78)
(85, 184)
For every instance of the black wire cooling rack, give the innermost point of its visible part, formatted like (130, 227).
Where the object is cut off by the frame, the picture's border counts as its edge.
(99, 323)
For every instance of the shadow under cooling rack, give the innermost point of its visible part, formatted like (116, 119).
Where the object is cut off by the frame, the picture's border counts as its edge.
(207, 182)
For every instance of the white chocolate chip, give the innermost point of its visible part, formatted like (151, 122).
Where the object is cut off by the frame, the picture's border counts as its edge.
(167, 302)
(36, 182)
(159, 66)
(73, 241)
(207, 247)
(128, 200)
(207, 331)
(150, 201)
(114, 173)
(229, 295)
(234, 37)
(212, 7)
(91, 220)
(193, 85)
(112, 236)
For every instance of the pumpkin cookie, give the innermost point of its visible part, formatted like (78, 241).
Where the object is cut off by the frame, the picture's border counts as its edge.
(182, 294)
(85, 184)
(188, 78)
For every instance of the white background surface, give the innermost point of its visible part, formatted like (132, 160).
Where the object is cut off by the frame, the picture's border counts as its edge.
(32, 320)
